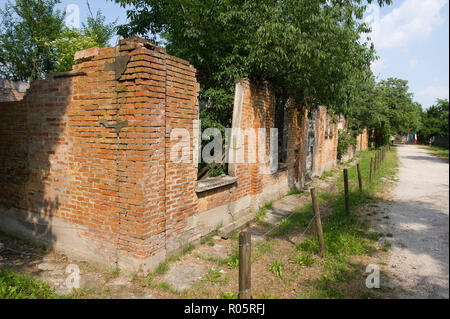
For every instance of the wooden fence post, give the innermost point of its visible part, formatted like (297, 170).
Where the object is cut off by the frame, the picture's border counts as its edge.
(375, 164)
(245, 281)
(371, 170)
(318, 222)
(359, 179)
(347, 196)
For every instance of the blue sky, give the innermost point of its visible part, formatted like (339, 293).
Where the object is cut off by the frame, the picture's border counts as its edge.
(411, 38)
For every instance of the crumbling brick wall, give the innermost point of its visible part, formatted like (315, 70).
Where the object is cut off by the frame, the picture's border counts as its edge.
(92, 161)
(84, 156)
(326, 142)
(12, 90)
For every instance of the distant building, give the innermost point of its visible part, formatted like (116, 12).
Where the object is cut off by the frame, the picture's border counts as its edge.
(12, 90)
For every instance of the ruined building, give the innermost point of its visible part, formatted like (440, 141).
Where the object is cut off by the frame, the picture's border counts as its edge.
(86, 157)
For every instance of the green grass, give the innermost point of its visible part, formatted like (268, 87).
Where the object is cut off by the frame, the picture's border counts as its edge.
(208, 239)
(344, 235)
(17, 286)
(438, 151)
(233, 261)
(228, 295)
(263, 248)
(303, 259)
(261, 214)
(162, 268)
(327, 174)
(212, 276)
(294, 191)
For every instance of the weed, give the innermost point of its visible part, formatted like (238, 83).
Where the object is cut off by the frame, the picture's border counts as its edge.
(261, 214)
(184, 250)
(303, 259)
(233, 261)
(295, 191)
(276, 267)
(264, 248)
(162, 268)
(212, 276)
(228, 295)
(17, 286)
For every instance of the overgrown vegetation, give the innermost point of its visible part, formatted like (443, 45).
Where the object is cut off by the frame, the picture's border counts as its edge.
(311, 51)
(345, 139)
(34, 40)
(434, 121)
(18, 286)
(345, 236)
(276, 267)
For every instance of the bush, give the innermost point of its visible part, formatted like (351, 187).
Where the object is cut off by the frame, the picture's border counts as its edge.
(345, 139)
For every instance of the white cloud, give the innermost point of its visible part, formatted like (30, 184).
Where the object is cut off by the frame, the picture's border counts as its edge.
(434, 92)
(412, 20)
(413, 63)
(378, 65)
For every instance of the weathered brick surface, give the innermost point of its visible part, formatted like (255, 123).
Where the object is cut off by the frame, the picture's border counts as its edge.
(93, 150)
(11, 91)
(89, 163)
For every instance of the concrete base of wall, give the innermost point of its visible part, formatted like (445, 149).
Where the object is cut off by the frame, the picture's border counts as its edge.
(68, 238)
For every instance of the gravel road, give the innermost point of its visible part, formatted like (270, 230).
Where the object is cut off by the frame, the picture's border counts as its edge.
(419, 223)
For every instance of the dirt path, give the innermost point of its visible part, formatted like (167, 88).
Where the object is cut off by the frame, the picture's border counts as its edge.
(419, 224)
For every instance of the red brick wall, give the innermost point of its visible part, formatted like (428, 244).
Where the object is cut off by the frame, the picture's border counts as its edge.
(326, 142)
(86, 160)
(92, 150)
(362, 141)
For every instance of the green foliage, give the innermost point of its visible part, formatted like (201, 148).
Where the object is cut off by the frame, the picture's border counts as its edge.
(97, 28)
(435, 121)
(345, 139)
(295, 191)
(233, 261)
(264, 248)
(162, 268)
(35, 42)
(276, 267)
(69, 42)
(303, 259)
(308, 49)
(212, 276)
(217, 170)
(261, 214)
(17, 286)
(229, 295)
(96, 33)
(384, 108)
(397, 106)
(28, 29)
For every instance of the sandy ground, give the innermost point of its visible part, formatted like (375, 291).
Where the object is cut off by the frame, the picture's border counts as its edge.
(419, 224)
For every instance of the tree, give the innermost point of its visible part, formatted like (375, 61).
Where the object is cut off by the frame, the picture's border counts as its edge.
(28, 28)
(35, 41)
(69, 42)
(308, 49)
(435, 120)
(384, 108)
(97, 28)
(95, 33)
